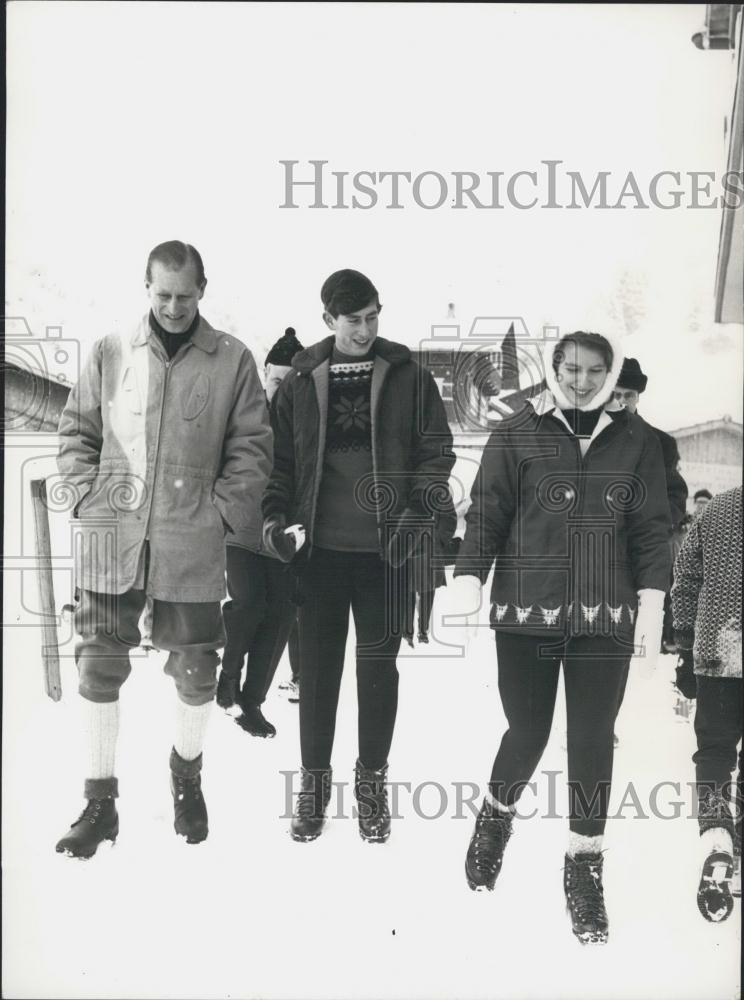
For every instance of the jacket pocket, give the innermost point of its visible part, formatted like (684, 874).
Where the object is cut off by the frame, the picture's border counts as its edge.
(195, 396)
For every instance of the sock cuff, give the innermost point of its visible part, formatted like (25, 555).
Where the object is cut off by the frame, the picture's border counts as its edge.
(495, 804)
(101, 788)
(580, 843)
(184, 768)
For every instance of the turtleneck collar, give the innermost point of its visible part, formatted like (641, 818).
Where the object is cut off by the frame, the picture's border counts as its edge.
(172, 341)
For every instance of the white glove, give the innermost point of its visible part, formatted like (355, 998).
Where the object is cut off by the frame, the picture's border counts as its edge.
(465, 592)
(648, 629)
(298, 532)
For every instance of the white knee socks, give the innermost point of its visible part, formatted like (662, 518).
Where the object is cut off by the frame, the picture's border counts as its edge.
(103, 729)
(578, 843)
(191, 728)
(716, 839)
(495, 802)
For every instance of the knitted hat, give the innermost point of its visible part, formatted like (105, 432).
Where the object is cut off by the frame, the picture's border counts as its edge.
(284, 349)
(631, 376)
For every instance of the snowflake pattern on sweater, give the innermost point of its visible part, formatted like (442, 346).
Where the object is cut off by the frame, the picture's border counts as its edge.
(707, 591)
(349, 416)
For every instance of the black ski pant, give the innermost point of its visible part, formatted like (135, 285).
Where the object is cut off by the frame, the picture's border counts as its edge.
(593, 672)
(334, 583)
(718, 729)
(258, 619)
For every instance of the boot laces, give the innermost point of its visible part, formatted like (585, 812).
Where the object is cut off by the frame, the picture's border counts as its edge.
(188, 788)
(313, 796)
(584, 883)
(371, 789)
(90, 813)
(489, 841)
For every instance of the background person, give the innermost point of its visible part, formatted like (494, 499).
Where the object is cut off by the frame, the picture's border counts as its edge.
(706, 603)
(259, 614)
(631, 384)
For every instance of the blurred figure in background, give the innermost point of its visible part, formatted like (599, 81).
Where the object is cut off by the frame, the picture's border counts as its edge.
(259, 615)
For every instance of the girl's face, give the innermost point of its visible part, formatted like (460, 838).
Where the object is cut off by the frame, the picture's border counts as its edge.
(581, 373)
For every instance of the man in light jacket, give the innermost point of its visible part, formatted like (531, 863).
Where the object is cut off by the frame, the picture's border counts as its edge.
(166, 448)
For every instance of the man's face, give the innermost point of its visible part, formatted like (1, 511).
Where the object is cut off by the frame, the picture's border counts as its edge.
(274, 377)
(701, 503)
(627, 398)
(355, 332)
(174, 296)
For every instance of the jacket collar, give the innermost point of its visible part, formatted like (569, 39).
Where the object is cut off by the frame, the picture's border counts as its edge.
(311, 357)
(204, 337)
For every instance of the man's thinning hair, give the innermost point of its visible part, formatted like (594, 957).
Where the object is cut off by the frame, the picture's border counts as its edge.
(174, 255)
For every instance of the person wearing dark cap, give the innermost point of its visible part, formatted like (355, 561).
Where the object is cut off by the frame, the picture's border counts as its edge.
(259, 615)
(630, 384)
(701, 499)
(363, 456)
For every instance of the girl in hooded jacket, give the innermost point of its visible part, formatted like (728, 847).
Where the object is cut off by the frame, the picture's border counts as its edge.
(570, 503)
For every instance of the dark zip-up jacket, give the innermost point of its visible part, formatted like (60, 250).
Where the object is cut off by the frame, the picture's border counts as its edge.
(411, 441)
(573, 538)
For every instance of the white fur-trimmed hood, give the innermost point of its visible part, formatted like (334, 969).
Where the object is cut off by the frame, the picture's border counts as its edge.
(605, 393)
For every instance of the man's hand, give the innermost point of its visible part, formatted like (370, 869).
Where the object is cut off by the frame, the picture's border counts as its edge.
(648, 630)
(465, 592)
(282, 541)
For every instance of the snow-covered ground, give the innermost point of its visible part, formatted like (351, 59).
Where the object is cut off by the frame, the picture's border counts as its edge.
(250, 913)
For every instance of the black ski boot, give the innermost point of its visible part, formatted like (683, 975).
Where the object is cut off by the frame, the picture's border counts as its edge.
(312, 802)
(714, 897)
(188, 802)
(99, 821)
(252, 721)
(582, 883)
(486, 851)
(228, 690)
(373, 811)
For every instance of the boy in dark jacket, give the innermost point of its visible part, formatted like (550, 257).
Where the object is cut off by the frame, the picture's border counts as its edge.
(362, 458)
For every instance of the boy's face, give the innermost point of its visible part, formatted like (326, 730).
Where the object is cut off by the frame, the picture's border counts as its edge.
(274, 376)
(355, 332)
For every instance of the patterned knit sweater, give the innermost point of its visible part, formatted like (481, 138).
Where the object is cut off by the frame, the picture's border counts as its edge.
(342, 522)
(707, 592)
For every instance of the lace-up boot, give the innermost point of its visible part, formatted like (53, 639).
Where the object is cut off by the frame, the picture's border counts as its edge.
(312, 802)
(373, 810)
(486, 851)
(582, 883)
(188, 802)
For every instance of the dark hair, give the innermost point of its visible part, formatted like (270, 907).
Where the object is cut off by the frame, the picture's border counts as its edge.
(174, 255)
(703, 493)
(594, 341)
(347, 291)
